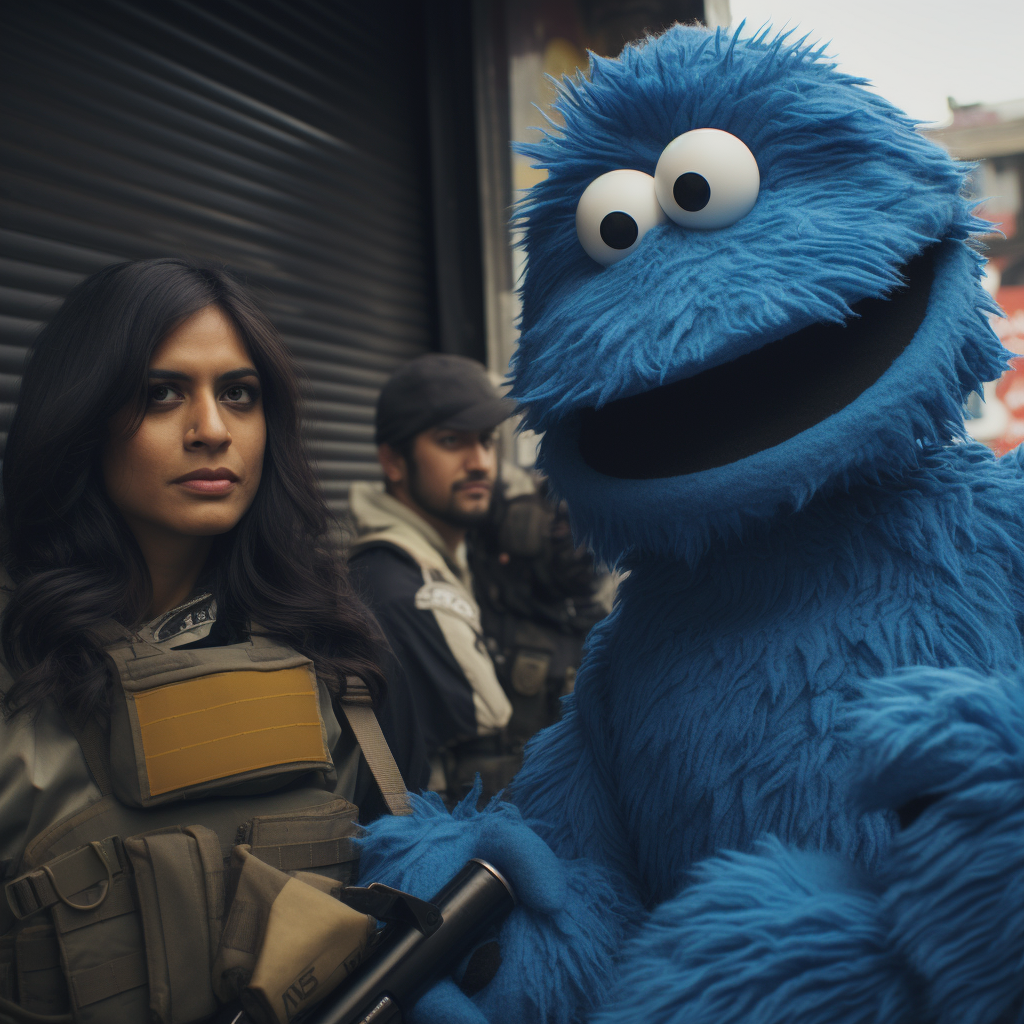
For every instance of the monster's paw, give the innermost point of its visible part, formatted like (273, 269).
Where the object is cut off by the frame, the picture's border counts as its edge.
(448, 1003)
(769, 937)
(550, 960)
(421, 852)
(945, 750)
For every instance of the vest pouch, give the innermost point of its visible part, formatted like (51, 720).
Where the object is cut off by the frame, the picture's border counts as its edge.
(136, 924)
(99, 943)
(316, 839)
(179, 881)
(40, 979)
(287, 941)
(222, 721)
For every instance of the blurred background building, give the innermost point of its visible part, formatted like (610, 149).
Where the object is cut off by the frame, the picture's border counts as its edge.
(349, 161)
(993, 136)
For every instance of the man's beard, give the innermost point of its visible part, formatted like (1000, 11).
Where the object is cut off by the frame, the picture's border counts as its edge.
(446, 513)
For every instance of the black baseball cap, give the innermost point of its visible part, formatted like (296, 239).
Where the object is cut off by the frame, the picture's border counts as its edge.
(438, 391)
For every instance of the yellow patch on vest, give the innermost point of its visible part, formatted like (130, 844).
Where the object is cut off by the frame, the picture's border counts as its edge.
(228, 723)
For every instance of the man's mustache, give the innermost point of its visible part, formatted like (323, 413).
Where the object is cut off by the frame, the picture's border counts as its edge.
(473, 481)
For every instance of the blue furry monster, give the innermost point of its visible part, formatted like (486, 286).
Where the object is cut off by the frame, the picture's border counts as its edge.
(789, 786)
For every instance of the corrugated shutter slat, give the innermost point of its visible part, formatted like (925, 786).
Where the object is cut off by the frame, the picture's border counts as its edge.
(285, 140)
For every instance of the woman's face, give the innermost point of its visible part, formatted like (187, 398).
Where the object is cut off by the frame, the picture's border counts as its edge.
(193, 466)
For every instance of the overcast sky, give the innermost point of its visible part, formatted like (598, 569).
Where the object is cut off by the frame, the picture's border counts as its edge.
(916, 52)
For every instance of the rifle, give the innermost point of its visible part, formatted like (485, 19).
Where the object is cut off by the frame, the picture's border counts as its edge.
(424, 944)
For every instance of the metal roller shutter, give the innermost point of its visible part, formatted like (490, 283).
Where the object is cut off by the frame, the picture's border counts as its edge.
(286, 139)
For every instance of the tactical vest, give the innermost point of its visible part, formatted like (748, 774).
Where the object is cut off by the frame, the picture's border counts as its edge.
(212, 784)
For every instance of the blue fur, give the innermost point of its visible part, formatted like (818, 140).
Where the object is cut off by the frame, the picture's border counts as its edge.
(765, 937)
(954, 880)
(848, 193)
(569, 906)
(808, 639)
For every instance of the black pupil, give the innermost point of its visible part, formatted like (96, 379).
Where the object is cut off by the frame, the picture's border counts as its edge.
(691, 191)
(619, 230)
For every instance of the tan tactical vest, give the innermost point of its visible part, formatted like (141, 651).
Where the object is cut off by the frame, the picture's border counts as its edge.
(155, 902)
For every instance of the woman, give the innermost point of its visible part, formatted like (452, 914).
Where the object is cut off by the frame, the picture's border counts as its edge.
(171, 586)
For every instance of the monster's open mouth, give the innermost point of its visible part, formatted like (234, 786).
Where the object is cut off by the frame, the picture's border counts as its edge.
(761, 399)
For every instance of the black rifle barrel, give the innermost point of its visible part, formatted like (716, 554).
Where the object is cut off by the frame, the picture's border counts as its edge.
(389, 982)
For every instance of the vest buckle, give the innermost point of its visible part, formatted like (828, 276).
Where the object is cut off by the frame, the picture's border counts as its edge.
(107, 883)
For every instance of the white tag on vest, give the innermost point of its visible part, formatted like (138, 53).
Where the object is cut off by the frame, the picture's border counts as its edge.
(435, 596)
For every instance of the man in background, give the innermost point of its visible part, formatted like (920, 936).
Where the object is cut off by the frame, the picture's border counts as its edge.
(435, 426)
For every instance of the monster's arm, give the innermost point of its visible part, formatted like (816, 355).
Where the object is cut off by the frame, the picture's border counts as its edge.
(565, 788)
(575, 910)
(935, 934)
(765, 938)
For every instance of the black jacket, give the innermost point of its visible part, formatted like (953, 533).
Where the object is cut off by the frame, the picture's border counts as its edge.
(433, 697)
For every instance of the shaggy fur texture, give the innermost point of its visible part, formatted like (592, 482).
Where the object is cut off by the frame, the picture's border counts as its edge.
(573, 915)
(766, 937)
(813, 642)
(849, 192)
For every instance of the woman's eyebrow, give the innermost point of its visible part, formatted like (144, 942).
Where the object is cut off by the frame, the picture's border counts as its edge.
(242, 371)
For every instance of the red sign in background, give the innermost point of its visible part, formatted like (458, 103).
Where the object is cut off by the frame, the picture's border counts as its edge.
(1001, 423)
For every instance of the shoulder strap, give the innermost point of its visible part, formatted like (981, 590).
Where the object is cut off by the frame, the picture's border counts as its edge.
(358, 708)
(417, 547)
(95, 746)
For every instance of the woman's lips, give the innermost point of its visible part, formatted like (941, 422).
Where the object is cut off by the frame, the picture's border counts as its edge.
(219, 486)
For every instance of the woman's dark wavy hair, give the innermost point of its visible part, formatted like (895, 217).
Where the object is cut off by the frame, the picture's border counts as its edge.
(71, 557)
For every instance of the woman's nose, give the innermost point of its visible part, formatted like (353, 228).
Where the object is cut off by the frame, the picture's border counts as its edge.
(208, 427)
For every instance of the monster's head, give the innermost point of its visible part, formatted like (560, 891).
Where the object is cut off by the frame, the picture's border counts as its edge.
(719, 325)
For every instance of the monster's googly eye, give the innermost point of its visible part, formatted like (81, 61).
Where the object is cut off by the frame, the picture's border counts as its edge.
(706, 179)
(614, 214)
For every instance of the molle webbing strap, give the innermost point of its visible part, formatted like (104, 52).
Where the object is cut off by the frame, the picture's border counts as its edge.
(358, 707)
(65, 876)
(94, 984)
(322, 842)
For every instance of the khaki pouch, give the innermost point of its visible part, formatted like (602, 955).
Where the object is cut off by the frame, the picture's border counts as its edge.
(135, 925)
(179, 878)
(99, 940)
(287, 941)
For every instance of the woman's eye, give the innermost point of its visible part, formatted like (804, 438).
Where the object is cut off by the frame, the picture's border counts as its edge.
(706, 179)
(163, 394)
(240, 393)
(614, 214)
